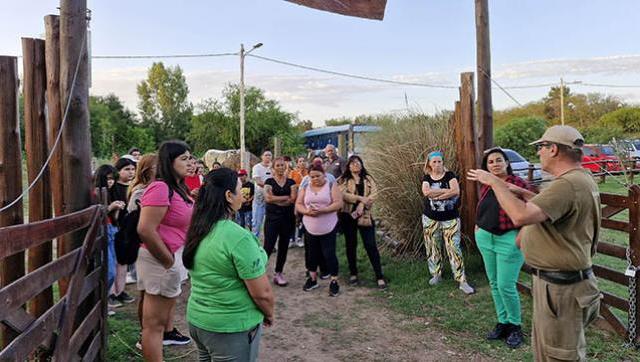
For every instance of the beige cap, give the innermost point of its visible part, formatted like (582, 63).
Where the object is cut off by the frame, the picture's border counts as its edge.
(563, 135)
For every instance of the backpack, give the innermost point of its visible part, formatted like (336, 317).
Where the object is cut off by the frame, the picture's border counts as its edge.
(127, 241)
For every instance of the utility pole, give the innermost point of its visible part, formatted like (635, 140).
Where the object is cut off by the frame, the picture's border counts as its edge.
(483, 63)
(243, 151)
(561, 101)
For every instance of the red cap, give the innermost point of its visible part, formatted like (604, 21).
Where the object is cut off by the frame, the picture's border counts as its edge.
(242, 172)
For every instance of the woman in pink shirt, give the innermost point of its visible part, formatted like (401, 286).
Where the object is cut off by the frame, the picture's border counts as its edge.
(319, 204)
(164, 221)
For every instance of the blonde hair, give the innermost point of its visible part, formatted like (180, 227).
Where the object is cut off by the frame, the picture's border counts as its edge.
(144, 172)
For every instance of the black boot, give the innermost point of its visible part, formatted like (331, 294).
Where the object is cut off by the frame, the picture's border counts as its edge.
(500, 332)
(515, 337)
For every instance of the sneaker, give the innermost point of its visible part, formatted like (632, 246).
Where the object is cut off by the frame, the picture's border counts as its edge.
(175, 338)
(500, 332)
(299, 242)
(125, 298)
(111, 313)
(325, 276)
(113, 302)
(139, 344)
(353, 280)
(382, 284)
(334, 288)
(130, 279)
(515, 338)
(310, 284)
(435, 280)
(291, 243)
(279, 280)
(466, 288)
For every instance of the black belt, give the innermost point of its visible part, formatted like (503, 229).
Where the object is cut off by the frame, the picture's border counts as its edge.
(562, 277)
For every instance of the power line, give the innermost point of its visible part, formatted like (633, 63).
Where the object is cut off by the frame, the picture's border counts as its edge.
(166, 56)
(500, 87)
(608, 85)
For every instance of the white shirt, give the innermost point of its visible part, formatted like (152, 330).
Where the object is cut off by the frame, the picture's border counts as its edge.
(262, 173)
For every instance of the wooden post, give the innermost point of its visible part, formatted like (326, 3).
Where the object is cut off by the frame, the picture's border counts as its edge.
(483, 62)
(35, 126)
(342, 145)
(634, 240)
(277, 147)
(11, 268)
(76, 136)
(471, 154)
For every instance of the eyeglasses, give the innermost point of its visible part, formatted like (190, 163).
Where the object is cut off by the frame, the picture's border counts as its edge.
(539, 146)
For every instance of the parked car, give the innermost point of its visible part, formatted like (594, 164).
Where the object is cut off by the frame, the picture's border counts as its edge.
(520, 165)
(598, 158)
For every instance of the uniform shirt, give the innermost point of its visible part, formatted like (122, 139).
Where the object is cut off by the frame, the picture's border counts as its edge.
(219, 300)
(566, 240)
(441, 210)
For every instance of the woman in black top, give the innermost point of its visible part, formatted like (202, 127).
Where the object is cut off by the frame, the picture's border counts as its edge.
(280, 195)
(441, 220)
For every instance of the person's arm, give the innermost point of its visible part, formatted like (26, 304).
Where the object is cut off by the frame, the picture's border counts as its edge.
(346, 195)
(293, 195)
(257, 177)
(271, 198)
(429, 192)
(452, 191)
(520, 212)
(300, 208)
(150, 218)
(336, 196)
(260, 291)
(522, 192)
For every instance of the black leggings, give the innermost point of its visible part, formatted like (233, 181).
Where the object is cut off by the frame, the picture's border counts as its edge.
(278, 229)
(322, 246)
(368, 234)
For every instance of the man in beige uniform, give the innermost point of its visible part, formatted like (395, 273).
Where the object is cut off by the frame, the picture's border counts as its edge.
(558, 242)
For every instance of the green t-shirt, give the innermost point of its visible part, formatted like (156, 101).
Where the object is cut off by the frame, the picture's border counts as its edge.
(219, 300)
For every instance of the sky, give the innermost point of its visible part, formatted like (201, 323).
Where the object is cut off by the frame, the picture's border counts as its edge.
(533, 42)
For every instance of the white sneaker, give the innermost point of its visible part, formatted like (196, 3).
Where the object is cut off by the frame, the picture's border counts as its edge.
(466, 288)
(299, 242)
(435, 280)
(130, 279)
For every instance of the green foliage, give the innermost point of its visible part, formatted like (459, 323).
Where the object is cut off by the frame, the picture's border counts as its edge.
(519, 133)
(602, 134)
(163, 102)
(626, 119)
(114, 129)
(217, 123)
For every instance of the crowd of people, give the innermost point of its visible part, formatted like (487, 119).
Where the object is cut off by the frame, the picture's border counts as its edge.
(219, 228)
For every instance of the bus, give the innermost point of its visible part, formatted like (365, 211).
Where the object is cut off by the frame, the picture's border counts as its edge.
(318, 138)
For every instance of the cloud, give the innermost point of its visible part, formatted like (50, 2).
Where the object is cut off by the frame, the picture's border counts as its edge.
(613, 65)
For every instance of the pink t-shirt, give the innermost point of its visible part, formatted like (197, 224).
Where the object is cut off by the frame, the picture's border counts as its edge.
(323, 223)
(173, 227)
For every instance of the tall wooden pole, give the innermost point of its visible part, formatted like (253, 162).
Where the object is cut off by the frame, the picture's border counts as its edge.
(34, 84)
(76, 135)
(471, 155)
(561, 101)
(12, 267)
(483, 62)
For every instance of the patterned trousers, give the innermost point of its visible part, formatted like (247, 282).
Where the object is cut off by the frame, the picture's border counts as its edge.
(435, 234)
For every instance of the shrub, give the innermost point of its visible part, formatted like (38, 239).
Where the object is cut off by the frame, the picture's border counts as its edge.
(518, 133)
(395, 157)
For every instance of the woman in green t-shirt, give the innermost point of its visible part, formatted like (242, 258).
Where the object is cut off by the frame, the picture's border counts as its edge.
(231, 297)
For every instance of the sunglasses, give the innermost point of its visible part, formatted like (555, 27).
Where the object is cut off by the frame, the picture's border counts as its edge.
(539, 146)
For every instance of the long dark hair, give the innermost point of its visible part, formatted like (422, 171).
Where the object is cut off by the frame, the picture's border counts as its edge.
(346, 175)
(167, 153)
(485, 159)
(100, 176)
(211, 207)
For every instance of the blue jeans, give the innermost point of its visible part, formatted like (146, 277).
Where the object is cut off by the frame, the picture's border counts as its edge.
(111, 255)
(243, 218)
(258, 211)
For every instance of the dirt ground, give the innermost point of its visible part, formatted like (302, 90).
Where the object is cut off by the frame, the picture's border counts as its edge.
(355, 326)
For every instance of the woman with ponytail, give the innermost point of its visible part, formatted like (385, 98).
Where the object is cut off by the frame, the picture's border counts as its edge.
(231, 297)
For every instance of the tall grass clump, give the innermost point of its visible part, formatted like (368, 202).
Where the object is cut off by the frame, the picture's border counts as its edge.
(395, 156)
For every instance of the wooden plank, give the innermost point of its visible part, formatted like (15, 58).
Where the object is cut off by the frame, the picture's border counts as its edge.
(37, 151)
(91, 282)
(483, 71)
(84, 329)
(613, 321)
(23, 345)
(25, 236)
(609, 211)
(634, 240)
(612, 250)
(614, 200)
(615, 225)
(370, 9)
(615, 301)
(610, 274)
(94, 348)
(471, 153)
(20, 291)
(11, 268)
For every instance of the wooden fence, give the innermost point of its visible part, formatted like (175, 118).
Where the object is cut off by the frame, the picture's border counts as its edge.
(60, 332)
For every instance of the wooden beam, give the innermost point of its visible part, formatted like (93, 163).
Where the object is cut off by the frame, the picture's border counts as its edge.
(35, 126)
(483, 63)
(470, 154)
(12, 267)
(634, 241)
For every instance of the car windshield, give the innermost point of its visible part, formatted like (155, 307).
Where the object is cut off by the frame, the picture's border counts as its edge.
(588, 151)
(608, 150)
(514, 156)
(636, 144)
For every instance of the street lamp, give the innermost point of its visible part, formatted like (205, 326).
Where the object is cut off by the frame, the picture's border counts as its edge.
(243, 156)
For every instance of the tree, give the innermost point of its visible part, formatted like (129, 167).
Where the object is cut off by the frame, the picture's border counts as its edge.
(217, 123)
(114, 129)
(519, 133)
(627, 119)
(163, 102)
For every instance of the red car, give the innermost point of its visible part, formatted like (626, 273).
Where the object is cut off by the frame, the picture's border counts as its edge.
(593, 153)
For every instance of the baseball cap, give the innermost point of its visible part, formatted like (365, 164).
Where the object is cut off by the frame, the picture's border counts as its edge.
(130, 157)
(563, 135)
(242, 172)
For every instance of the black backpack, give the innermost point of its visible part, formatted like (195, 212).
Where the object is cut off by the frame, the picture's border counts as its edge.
(127, 241)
